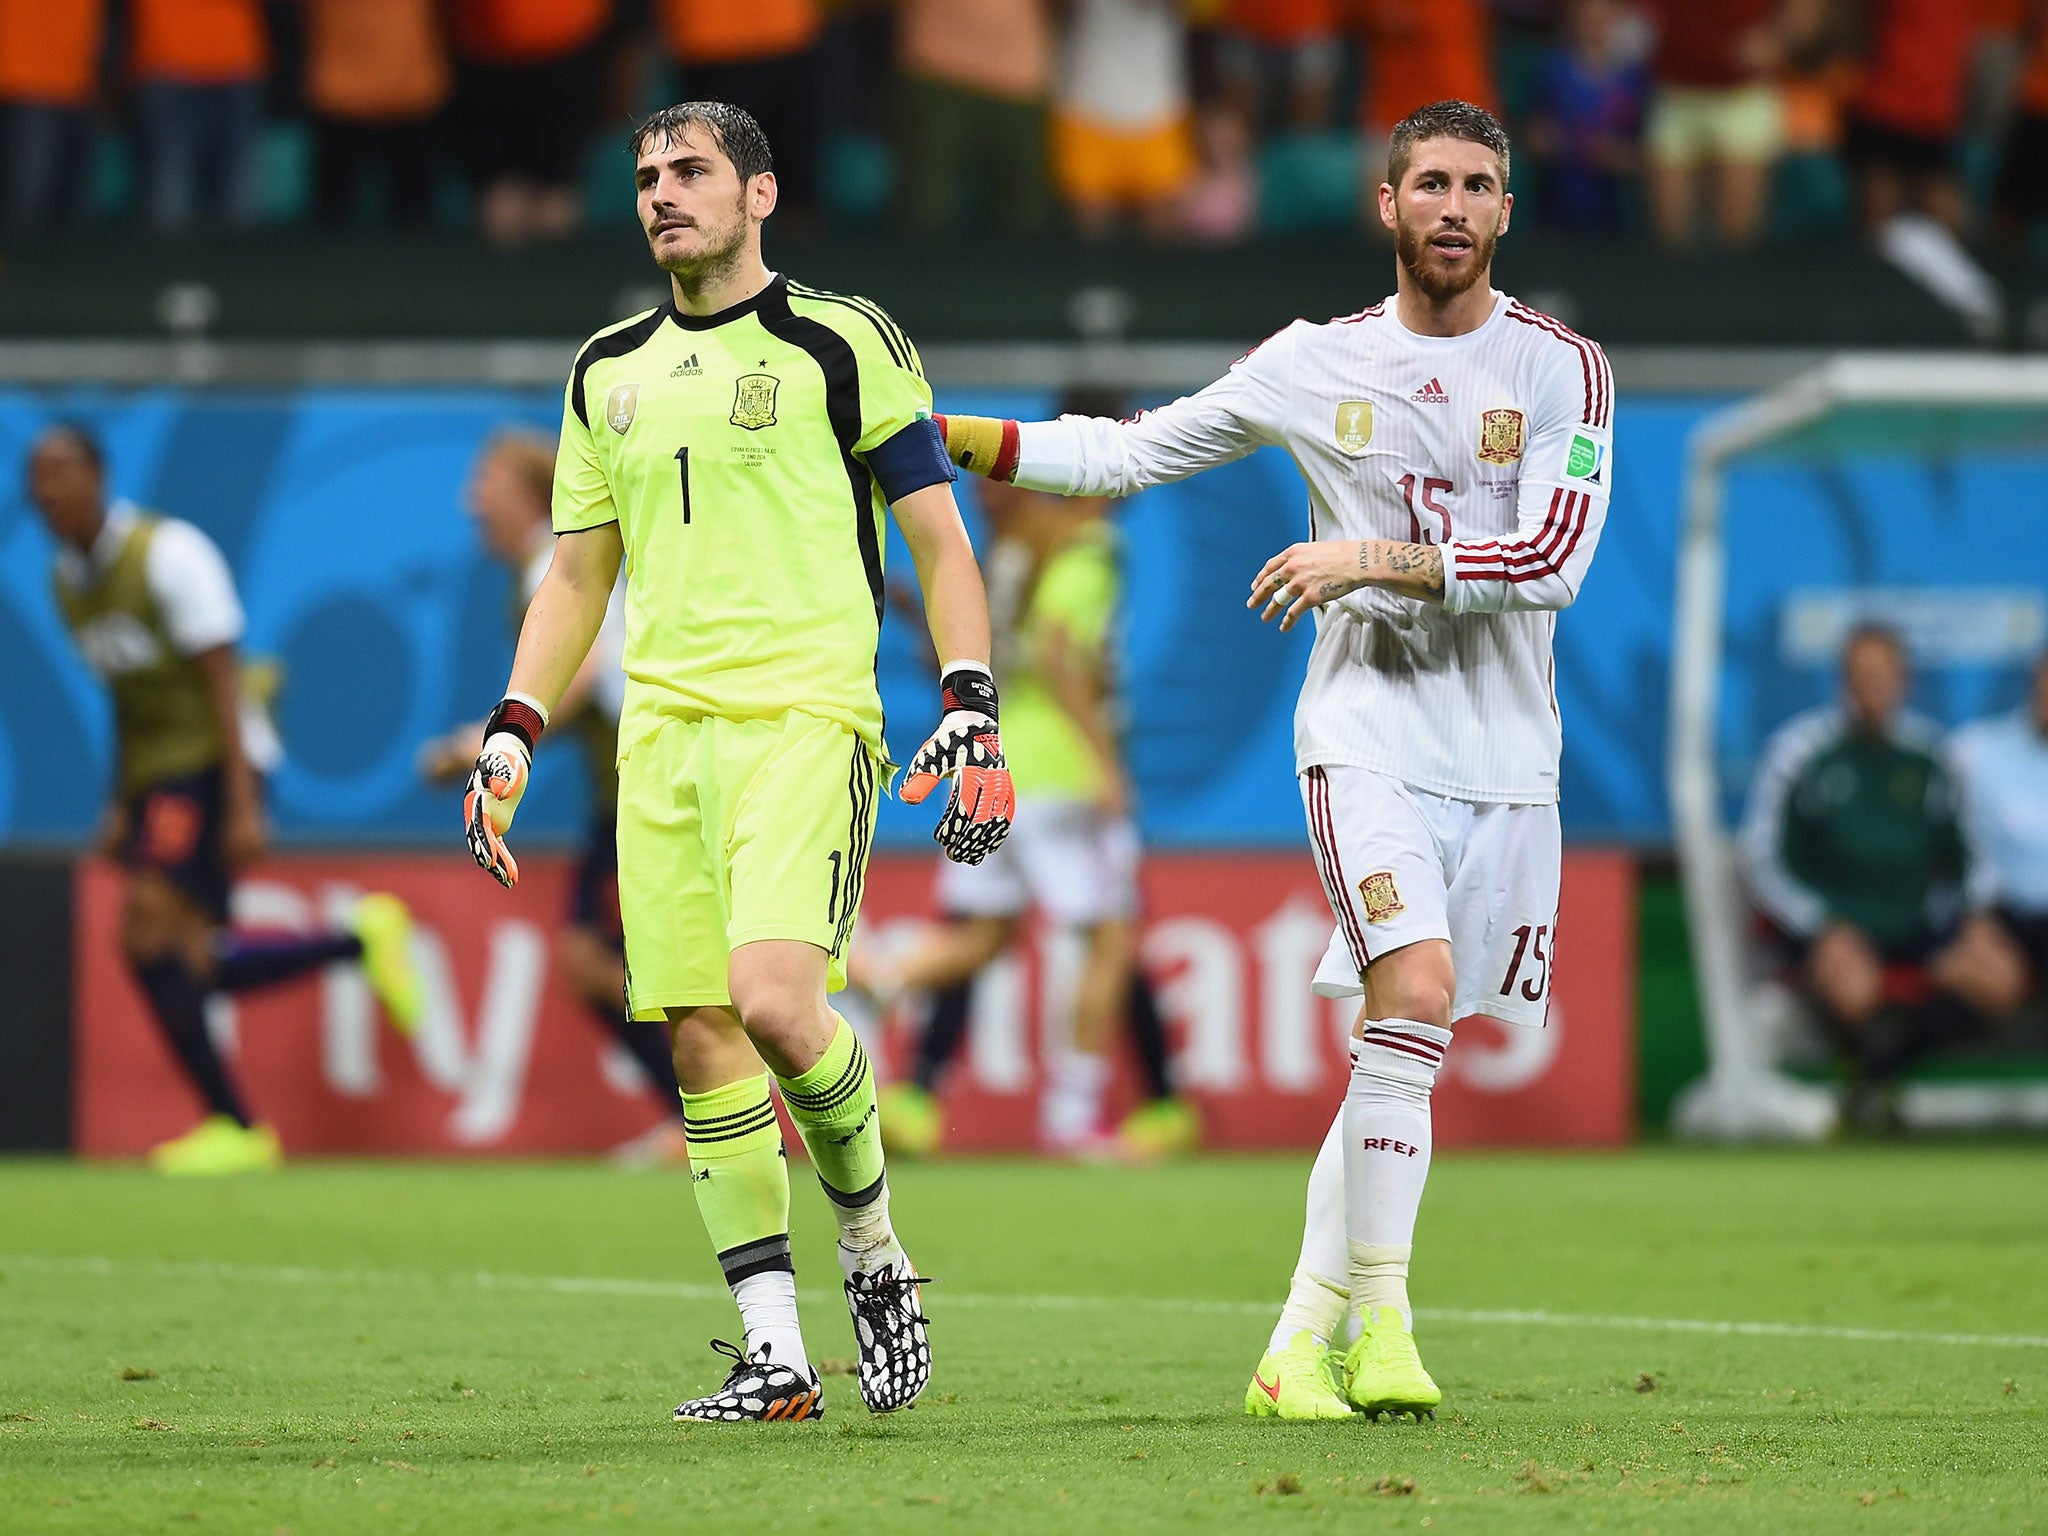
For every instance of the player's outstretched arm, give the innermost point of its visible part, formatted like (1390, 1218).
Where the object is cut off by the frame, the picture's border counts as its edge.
(967, 747)
(561, 622)
(1093, 456)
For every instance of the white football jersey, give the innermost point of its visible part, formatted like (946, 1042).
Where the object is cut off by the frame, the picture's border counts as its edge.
(1496, 445)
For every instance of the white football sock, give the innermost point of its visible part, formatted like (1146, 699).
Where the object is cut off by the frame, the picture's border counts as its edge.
(1318, 1294)
(768, 1313)
(1386, 1155)
(1071, 1111)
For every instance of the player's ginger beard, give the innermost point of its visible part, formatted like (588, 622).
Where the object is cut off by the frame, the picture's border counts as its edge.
(1411, 249)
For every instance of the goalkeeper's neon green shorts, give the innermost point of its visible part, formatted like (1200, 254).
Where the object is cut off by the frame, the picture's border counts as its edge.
(734, 831)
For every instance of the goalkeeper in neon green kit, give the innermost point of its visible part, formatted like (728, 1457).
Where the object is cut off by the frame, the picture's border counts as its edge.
(737, 447)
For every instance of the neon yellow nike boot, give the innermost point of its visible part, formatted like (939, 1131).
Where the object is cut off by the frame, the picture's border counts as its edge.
(384, 924)
(1295, 1383)
(1161, 1129)
(219, 1145)
(1384, 1374)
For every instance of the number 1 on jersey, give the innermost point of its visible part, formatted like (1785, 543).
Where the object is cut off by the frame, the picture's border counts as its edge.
(683, 458)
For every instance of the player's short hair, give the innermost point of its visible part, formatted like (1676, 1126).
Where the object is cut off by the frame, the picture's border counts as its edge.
(81, 437)
(530, 457)
(733, 129)
(1446, 120)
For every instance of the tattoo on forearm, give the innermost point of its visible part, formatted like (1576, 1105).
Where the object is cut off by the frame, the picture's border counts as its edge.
(1385, 558)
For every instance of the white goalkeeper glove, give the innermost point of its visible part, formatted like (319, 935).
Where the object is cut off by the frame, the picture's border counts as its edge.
(967, 749)
(498, 781)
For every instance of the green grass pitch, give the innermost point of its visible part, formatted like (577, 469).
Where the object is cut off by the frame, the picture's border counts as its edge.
(495, 1348)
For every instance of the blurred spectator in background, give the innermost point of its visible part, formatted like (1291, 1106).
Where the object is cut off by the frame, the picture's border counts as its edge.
(1278, 61)
(1854, 850)
(2021, 195)
(973, 113)
(199, 68)
(1417, 52)
(1904, 123)
(49, 87)
(1222, 202)
(2003, 765)
(1907, 110)
(1586, 117)
(1715, 123)
(377, 77)
(761, 55)
(1122, 143)
(529, 76)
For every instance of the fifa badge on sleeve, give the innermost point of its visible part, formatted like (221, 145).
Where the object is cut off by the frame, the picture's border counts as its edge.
(620, 406)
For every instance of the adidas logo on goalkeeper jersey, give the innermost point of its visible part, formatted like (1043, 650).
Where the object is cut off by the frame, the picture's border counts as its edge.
(686, 369)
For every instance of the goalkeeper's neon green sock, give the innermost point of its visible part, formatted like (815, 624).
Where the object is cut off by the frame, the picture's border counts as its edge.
(740, 1175)
(833, 1105)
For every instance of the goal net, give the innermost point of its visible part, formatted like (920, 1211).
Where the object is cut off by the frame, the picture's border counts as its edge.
(1906, 488)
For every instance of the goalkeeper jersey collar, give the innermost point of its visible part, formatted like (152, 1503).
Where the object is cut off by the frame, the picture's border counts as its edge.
(774, 296)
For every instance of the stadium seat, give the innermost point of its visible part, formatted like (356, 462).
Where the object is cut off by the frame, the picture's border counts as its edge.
(1308, 181)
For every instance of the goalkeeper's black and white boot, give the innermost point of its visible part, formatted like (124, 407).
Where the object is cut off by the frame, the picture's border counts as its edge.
(889, 1332)
(758, 1390)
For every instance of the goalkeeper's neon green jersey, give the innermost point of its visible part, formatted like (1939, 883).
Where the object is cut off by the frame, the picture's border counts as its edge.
(732, 449)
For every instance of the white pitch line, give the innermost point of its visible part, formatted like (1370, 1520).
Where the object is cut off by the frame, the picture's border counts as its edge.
(682, 1290)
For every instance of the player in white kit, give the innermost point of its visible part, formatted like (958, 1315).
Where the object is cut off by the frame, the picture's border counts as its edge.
(1458, 451)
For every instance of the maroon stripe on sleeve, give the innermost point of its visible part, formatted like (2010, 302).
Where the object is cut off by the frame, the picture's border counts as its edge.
(1592, 361)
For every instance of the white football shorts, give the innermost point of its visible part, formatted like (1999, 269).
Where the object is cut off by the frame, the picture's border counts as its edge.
(1075, 864)
(1401, 865)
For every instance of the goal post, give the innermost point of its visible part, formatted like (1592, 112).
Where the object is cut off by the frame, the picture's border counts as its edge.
(1875, 407)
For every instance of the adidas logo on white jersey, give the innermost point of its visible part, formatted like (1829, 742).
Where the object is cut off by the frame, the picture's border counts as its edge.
(1431, 393)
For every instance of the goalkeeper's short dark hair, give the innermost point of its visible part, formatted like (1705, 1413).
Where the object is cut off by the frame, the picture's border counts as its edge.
(733, 129)
(1446, 120)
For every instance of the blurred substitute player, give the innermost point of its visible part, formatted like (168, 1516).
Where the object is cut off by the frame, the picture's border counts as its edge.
(508, 496)
(1054, 589)
(153, 607)
(1457, 448)
(738, 446)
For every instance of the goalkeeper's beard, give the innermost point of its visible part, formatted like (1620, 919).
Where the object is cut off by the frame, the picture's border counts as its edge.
(725, 246)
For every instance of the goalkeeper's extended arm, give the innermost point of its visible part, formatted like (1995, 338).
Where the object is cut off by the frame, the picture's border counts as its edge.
(966, 749)
(561, 622)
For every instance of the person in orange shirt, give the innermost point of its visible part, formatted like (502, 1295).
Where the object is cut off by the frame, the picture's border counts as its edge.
(1418, 52)
(377, 76)
(49, 84)
(1294, 45)
(199, 68)
(1907, 114)
(529, 76)
(761, 55)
